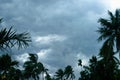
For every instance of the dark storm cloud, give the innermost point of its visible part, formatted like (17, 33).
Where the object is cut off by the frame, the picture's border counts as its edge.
(56, 15)
(71, 24)
(5, 1)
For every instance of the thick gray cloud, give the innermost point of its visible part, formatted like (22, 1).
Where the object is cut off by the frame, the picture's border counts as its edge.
(62, 30)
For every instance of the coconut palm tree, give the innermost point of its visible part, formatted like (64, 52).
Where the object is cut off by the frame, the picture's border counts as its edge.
(8, 67)
(110, 30)
(68, 73)
(106, 67)
(47, 77)
(109, 62)
(33, 68)
(59, 74)
(9, 38)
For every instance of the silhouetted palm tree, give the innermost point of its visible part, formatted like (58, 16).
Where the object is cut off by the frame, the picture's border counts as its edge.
(110, 30)
(68, 73)
(33, 68)
(109, 62)
(59, 74)
(8, 67)
(89, 72)
(47, 77)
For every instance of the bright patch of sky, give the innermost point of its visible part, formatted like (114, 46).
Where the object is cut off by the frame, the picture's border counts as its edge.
(49, 39)
(112, 5)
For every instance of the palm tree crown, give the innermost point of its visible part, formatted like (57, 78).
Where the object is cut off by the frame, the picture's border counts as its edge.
(110, 30)
(69, 75)
(59, 74)
(33, 68)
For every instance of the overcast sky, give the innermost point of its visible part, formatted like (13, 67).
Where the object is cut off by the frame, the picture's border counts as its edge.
(62, 31)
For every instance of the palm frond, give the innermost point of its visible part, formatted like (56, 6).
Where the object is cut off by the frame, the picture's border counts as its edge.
(111, 15)
(105, 33)
(117, 60)
(107, 48)
(117, 13)
(9, 38)
(33, 57)
(105, 22)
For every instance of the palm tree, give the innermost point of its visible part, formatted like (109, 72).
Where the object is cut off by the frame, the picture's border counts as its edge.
(32, 67)
(110, 30)
(8, 67)
(47, 77)
(68, 73)
(9, 38)
(108, 62)
(14, 74)
(44, 73)
(59, 74)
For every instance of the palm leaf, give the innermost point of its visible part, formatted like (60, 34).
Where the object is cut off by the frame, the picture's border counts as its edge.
(104, 22)
(111, 15)
(9, 38)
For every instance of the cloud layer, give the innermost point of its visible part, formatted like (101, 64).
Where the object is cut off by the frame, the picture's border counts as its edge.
(62, 31)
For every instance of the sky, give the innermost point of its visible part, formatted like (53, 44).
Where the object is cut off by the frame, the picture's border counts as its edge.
(62, 31)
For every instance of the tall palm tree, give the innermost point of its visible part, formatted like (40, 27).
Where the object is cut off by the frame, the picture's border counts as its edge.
(9, 38)
(110, 30)
(68, 73)
(108, 62)
(32, 67)
(47, 77)
(59, 74)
